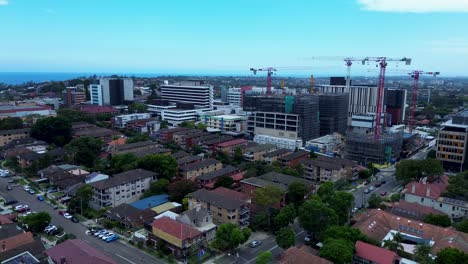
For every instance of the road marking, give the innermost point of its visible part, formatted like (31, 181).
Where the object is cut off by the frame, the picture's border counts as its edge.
(125, 258)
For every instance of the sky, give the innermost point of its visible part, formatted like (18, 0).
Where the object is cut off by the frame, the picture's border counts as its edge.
(230, 36)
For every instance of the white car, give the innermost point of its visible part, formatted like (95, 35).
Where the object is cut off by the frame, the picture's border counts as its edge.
(26, 188)
(97, 233)
(103, 234)
(107, 236)
(372, 188)
(67, 215)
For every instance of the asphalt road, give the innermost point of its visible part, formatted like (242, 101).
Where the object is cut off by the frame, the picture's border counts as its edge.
(421, 155)
(120, 252)
(361, 198)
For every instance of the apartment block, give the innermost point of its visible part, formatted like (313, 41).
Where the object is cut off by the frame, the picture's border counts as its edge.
(323, 169)
(194, 92)
(452, 142)
(256, 153)
(193, 170)
(122, 120)
(7, 136)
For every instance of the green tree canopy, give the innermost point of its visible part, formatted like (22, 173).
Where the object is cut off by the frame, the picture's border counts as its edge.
(346, 233)
(451, 256)
(11, 123)
(458, 186)
(85, 150)
(415, 170)
(296, 193)
(74, 115)
(339, 251)
(268, 196)
(37, 222)
(238, 156)
(157, 187)
(224, 181)
(395, 243)
(164, 165)
(285, 237)
(326, 190)
(229, 236)
(201, 126)
(342, 203)
(374, 201)
(285, 217)
(138, 138)
(422, 254)
(137, 108)
(56, 130)
(264, 257)
(81, 200)
(179, 189)
(315, 217)
(438, 220)
(463, 226)
(187, 124)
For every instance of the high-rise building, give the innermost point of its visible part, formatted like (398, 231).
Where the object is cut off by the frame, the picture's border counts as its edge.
(95, 94)
(73, 96)
(452, 141)
(116, 91)
(196, 93)
(224, 94)
(333, 109)
(395, 104)
(290, 117)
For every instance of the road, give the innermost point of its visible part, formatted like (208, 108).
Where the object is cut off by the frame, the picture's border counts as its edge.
(421, 155)
(120, 252)
(361, 198)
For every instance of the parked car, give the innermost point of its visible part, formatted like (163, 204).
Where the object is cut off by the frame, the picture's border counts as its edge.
(75, 220)
(105, 233)
(51, 190)
(366, 182)
(366, 190)
(67, 215)
(372, 188)
(31, 191)
(41, 197)
(98, 232)
(22, 208)
(383, 193)
(26, 188)
(54, 206)
(383, 181)
(61, 212)
(308, 238)
(11, 181)
(10, 202)
(112, 238)
(377, 185)
(107, 236)
(255, 243)
(9, 188)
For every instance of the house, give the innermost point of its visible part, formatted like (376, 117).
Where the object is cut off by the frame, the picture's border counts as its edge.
(178, 236)
(192, 171)
(430, 194)
(27, 159)
(229, 146)
(7, 136)
(24, 257)
(188, 160)
(87, 130)
(412, 211)
(324, 168)
(168, 206)
(165, 135)
(179, 137)
(62, 177)
(301, 255)
(128, 216)
(274, 155)
(209, 145)
(294, 158)
(200, 219)
(95, 177)
(279, 180)
(367, 253)
(381, 225)
(133, 147)
(125, 187)
(14, 241)
(76, 251)
(208, 180)
(151, 201)
(256, 153)
(224, 209)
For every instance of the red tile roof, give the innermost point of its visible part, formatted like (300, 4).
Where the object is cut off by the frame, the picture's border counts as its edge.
(231, 143)
(175, 229)
(375, 254)
(301, 255)
(431, 190)
(411, 210)
(77, 251)
(7, 219)
(16, 241)
(231, 194)
(117, 142)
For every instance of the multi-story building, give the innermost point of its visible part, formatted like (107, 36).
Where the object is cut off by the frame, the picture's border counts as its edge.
(395, 104)
(223, 208)
(116, 91)
(122, 120)
(24, 111)
(73, 96)
(7, 136)
(333, 109)
(193, 170)
(274, 155)
(256, 153)
(323, 169)
(195, 92)
(234, 96)
(294, 158)
(125, 187)
(279, 142)
(225, 123)
(95, 94)
(289, 117)
(452, 142)
(229, 146)
(325, 144)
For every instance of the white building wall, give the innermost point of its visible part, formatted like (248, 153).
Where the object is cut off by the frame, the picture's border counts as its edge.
(128, 89)
(95, 94)
(278, 142)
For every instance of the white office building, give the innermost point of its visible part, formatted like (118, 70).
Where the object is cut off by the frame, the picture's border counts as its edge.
(122, 120)
(196, 93)
(95, 94)
(279, 142)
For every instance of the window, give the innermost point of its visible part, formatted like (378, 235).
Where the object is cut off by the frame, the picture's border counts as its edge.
(440, 205)
(422, 200)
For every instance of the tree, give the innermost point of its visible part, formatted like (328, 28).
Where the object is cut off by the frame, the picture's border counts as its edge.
(395, 197)
(338, 251)
(374, 201)
(312, 155)
(395, 243)
(85, 150)
(415, 170)
(81, 200)
(365, 174)
(224, 181)
(37, 222)
(238, 156)
(458, 186)
(187, 124)
(165, 165)
(346, 233)
(179, 189)
(229, 236)
(123, 162)
(164, 124)
(11, 123)
(197, 149)
(137, 108)
(296, 193)
(342, 203)
(463, 226)
(422, 254)
(451, 256)
(315, 217)
(268, 196)
(138, 138)
(285, 237)
(201, 126)
(56, 130)
(326, 190)
(431, 154)
(264, 257)
(285, 217)
(157, 187)
(223, 157)
(438, 219)
(65, 237)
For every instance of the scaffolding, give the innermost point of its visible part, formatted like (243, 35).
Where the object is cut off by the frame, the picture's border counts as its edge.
(333, 109)
(364, 149)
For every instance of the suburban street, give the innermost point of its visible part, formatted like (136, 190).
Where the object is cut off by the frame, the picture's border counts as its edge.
(120, 252)
(361, 198)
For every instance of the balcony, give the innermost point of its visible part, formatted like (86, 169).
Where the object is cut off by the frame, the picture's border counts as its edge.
(244, 210)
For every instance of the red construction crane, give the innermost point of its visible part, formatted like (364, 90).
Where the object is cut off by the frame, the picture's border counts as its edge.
(269, 71)
(415, 75)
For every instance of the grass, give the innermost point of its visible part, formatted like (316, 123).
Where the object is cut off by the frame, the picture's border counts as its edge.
(23, 182)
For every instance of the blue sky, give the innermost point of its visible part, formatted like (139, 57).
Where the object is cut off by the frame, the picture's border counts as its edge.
(228, 36)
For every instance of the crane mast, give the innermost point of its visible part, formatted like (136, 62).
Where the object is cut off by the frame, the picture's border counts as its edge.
(269, 71)
(415, 75)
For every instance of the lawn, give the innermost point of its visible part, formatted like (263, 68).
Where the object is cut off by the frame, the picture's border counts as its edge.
(23, 182)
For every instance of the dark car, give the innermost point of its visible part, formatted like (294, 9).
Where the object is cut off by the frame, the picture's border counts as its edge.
(10, 202)
(75, 220)
(383, 181)
(378, 185)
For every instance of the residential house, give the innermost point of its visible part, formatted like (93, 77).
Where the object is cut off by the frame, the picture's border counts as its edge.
(190, 139)
(381, 225)
(274, 155)
(229, 147)
(151, 202)
(27, 159)
(7, 136)
(430, 194)
(200, 219)
(412, 211)
(209, 145)
(188, 160)
(192, 171)
(301, 255)
(294, 158)
(62, 176)
(224, 209)
(76, 251)
(178, 236)
(367, 253)
(256, 153)
(130, 217)
(133, 147)
(83, 129)
(125, 187)
(24, 257)
(165, 135)
(14, 241)
(323, 169)
(179, 136)
(179, 154)
(281, 181)
(168, 206)
(208, 180)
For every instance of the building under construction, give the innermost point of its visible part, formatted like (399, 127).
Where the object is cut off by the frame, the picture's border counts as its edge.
(333, 110)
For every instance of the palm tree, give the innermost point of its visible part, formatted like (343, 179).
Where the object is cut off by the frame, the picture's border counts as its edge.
(422, 254)
(395, 243)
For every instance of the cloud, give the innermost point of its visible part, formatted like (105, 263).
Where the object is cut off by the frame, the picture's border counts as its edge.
(415, 6)
(3, 2)
(48, 10)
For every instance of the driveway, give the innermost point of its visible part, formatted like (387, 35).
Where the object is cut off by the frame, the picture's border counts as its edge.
(119, 251)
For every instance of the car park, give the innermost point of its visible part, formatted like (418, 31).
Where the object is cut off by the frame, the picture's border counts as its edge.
(112, 238)
(22, 208)
(105, 233)
(75, 220)
(98, 232)
(67, 215)
(10, 201)
(255, 243)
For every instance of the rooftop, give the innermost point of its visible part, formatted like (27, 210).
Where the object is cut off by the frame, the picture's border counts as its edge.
(279, 180)
(411, 210)
(375, 254)
(188, 159)
(294, 155)
(227, 117)
(180, 154)
(199, 165)
(218, 173)
(231, 194)
(216, 199)
(277, 152)
(175, 228)
(425, 189)
(134, 145)
(77, 251)
(302, 255)
(151, 202)
(124, 177)
(231, 143)
(259, 148)
(15, 131)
